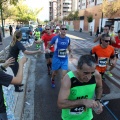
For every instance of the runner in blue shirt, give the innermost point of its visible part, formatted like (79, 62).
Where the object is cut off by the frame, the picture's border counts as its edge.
(60, 58)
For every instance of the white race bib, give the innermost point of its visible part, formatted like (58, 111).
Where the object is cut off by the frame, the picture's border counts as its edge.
(62, 52)
(78, 110)
(102, 62)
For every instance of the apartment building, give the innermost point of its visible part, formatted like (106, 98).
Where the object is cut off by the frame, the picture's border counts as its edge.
(93, 7)
(61, 8)
(52, 10)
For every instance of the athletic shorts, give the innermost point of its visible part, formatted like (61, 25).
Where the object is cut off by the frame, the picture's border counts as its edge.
(59, 63)
(3, 116)
(49, 55)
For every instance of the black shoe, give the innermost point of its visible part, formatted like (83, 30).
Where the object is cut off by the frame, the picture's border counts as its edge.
(18, 90)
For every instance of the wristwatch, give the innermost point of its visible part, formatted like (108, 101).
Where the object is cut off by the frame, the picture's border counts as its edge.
(98, 100)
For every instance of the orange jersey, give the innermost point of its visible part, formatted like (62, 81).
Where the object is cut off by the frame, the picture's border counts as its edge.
(103, 55)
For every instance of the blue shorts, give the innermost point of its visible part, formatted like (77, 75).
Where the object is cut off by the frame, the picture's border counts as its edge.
(59, 63)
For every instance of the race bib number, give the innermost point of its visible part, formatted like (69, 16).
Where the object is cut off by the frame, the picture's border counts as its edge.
(62, 52)
(102, 62)
(78, 110)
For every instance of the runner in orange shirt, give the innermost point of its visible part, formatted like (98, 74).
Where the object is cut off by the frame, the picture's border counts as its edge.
(103, 53)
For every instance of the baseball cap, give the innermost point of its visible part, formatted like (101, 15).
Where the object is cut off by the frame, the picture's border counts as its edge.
(57, 28)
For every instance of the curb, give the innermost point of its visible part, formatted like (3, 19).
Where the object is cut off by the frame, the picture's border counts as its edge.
(20, 97)
(2, 52)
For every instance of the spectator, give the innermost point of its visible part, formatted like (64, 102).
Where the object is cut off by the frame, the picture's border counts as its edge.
(11, 30)
(6, 80)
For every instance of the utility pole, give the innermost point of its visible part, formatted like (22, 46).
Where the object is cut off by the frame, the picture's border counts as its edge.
(101, 22)
(2, 28)
(2, 18)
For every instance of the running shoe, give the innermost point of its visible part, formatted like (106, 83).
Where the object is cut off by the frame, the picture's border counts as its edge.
(109, 73)
(53, 83)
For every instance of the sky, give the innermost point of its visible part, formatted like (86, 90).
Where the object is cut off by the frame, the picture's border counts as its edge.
(44, 14)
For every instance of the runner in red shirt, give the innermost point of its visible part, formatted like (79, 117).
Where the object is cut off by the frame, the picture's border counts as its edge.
(46, 38)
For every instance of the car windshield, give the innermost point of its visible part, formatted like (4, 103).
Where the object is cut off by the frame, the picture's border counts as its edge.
(25, 29)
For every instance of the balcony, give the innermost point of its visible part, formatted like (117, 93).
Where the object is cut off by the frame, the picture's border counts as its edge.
(67, 5)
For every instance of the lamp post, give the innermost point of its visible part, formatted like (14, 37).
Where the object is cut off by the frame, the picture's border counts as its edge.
(101, 22)
(2, 17)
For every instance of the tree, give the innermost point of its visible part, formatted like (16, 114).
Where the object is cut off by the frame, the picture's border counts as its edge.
(24, 14)
(90, 18)
(46, 22)
(109, 8)
(76, 17)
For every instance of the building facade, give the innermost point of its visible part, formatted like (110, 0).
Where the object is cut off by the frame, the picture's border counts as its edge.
(61, 8)
(52, 10)
(93, 7)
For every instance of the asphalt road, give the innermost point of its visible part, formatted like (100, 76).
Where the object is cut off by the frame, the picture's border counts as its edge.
(45, 97)
(41, 99)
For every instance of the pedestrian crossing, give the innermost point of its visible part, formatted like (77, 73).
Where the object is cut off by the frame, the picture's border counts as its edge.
(83, 43)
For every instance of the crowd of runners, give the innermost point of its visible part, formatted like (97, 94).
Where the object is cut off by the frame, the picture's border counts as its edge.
(80, 90)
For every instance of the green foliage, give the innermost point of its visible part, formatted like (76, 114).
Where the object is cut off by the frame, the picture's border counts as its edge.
(109, 8)
(90, 18)
(19, 12)
(72, 16)
(46, 21)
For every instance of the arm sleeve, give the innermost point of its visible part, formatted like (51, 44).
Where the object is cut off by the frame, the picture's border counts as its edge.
(5, 79)
(20, 46)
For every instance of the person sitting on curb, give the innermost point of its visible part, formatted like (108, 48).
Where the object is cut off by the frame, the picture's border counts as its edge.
(76, 95)
(6, 80)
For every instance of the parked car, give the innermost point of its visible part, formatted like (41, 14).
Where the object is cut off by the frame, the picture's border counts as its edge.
(26, 33)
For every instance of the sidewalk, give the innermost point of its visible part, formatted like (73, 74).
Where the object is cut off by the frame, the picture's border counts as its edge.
(15, 100)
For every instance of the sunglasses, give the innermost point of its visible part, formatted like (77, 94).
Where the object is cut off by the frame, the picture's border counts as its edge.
(112, 27)
(47, 29)
(63, 28)
(107, 40)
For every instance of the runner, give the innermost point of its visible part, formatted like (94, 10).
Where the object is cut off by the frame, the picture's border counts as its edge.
(60, 57)
(103, 52)
(117, 52)
(76, 95)
(105, 31)
(37, 37)
(46, 38)
(6, 80)
(57, 30)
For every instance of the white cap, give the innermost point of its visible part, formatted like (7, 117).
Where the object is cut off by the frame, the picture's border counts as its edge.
(57, 28)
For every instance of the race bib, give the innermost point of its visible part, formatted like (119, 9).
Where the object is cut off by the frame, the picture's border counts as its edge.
(78, 110)
(102, 62)
(62, 52)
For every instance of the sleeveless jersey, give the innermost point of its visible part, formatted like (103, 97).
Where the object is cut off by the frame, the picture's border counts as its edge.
(37, 35)
(79, 90)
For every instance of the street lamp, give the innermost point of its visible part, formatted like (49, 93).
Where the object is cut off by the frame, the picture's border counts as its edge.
(2, 17)
(101, 22)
